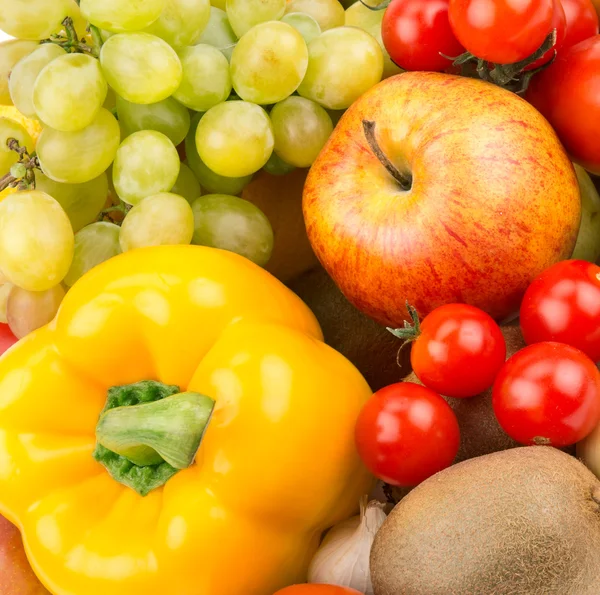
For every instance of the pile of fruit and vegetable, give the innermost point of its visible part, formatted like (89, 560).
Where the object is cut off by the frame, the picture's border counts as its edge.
(299, 297)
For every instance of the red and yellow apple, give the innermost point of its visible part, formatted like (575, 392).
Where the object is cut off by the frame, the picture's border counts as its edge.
(435, 189)
(16, 575)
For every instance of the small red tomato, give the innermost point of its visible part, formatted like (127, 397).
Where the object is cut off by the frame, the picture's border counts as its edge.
(559, 22)
(407, 433)
(416, 33)
(548, 393)
(459, 351)
(566, 93)
(582, 21)
(563, 305)
(7, 339)
(317, 590)
(501, 31)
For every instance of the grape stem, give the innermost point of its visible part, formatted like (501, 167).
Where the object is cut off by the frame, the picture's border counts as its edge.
(27, 162)
(71, 43)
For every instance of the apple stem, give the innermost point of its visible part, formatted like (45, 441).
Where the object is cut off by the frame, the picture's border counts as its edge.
(402, 179)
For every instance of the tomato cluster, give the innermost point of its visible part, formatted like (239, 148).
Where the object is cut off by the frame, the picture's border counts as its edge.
(429, 34)
(547, 393)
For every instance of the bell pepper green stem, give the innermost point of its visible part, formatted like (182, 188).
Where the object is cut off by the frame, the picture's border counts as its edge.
(169, 430)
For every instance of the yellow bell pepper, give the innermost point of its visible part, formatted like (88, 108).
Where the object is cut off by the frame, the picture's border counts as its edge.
(276, 465)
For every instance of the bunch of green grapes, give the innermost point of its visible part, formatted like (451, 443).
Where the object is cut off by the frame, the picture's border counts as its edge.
(141, 123)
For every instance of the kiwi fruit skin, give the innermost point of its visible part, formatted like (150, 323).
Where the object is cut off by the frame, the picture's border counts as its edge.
(367, 344)
(524, 521)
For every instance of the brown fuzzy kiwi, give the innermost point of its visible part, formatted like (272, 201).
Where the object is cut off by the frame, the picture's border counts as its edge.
(368, 345)
(524, 521)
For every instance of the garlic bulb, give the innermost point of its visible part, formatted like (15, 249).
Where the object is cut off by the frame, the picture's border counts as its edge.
(343, 558)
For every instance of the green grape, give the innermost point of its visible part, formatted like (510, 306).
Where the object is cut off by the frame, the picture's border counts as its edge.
(167, 116)
(233, 224)
(358, 15)
(27, 311)
(235, 138)
(263, 75)
(121, 16)
(78, 157)
(94, 245)
(276, 166)
(181, 22)
(69, 92)
(306, 25)
(328, 13)
(81, 202)
(36, 240)
(301, 129)
(160, 220)
(208, 179)
(24, 74)
(245, 14)
(343, 64)
(218, 33)
(110, 102)
(11, 129)
(206, 78)
(187, 185)
(12, 52)
(147, 163)
(140, 67)
(32, 19)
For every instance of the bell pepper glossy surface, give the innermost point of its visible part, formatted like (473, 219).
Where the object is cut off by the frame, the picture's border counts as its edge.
(277, 464)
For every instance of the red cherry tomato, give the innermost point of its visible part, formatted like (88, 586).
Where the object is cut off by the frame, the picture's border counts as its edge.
(459, 352)
(416, 33)
(563, 305)
(7, 339)
(548, 393)
(317, 590)
(582, 21)
(559, 22)
(566, 93)
(501, 31)
(407, 433)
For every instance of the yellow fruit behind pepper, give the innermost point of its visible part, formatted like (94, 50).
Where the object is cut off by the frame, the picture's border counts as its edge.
(276, 467)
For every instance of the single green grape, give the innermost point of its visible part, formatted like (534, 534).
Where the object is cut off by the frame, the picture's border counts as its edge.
(147, 163)
(268, 63)
(301, 129)
(209, 180)
(94, 245)
(233, 224)
(206, 78)
(11, 129)
(235, 138)
(32, 19)
(11, 52)
(218, 33)
(121, 16)
(36, 240)
(358, 15)
(181, 22)
(276, 166)
(140, 67)
(306, 25)
(160, 220)
(78, 157)
(187, 185)
(24, 74)
(69, 92)
(328, 13)
(245, 14)
(81, 202)
(343, 63)
(167, 116)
